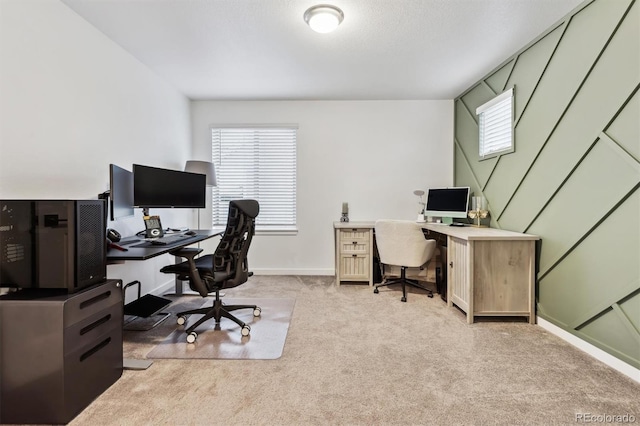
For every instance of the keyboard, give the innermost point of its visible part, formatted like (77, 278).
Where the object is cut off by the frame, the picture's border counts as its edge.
(171, 239)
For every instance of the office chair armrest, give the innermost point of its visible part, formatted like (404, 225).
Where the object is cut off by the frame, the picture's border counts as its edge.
(186, 252)
(195, 281)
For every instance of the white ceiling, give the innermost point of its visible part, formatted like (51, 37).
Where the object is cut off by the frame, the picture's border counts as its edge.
(263, 49)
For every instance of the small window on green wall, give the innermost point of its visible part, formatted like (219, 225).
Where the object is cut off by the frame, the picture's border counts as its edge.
(496, 125)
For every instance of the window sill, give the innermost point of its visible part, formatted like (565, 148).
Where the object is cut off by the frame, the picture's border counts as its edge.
(497, 154)
(270, 232)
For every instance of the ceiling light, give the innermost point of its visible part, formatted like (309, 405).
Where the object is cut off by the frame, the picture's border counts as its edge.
(323, 18)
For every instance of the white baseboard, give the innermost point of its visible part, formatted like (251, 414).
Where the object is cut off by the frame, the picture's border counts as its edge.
(266, 271)
(169, 286)
(599, 354)
(166, 287)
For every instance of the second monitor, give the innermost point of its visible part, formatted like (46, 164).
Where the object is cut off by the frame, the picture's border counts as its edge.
(164, 188)
(121, 192)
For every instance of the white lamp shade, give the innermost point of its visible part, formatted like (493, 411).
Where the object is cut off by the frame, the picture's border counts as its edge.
(204, 168)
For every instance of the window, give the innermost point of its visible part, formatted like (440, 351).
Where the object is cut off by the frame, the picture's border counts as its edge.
(496, 125)
(259, 163)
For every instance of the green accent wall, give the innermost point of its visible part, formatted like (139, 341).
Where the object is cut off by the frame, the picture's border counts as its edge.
(574, 177)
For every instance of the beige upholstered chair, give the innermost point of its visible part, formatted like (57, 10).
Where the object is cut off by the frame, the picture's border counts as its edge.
(401, 243)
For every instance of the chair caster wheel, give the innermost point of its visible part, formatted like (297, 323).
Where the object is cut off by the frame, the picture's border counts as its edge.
(245, 330)
(191, 337)
(430, 295)
(181, 320)
(403, 299)
(257, 311)
(375, 290)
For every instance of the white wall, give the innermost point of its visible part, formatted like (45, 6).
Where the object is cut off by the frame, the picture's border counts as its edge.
(72, 102)
(371, 154)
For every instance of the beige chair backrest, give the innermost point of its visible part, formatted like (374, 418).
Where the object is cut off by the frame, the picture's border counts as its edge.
(402, 243)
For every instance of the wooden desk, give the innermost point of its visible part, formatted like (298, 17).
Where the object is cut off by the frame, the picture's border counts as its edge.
(491, 272)
(144, 253)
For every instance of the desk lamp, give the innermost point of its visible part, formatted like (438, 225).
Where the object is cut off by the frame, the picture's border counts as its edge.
(204, 168)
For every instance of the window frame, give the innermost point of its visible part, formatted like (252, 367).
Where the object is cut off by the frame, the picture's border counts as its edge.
(261, 228)
(492, 106)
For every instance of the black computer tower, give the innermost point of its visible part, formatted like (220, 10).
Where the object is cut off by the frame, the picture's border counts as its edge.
(52, 244)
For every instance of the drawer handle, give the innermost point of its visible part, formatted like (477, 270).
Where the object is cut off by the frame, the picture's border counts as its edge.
(354, 243)
(354, 255)
(451, 264)
(95, 324)
(95, 349)
(96, 299)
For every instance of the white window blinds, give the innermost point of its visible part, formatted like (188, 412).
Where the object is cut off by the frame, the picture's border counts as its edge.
(257, 163)
(496, 125)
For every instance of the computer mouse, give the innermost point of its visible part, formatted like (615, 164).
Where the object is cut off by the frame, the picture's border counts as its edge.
(190, 233)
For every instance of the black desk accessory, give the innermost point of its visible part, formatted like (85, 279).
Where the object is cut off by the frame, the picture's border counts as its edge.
(144, 307)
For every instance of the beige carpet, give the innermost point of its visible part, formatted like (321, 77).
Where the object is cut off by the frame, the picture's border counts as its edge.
(357, 358)
(224, 341)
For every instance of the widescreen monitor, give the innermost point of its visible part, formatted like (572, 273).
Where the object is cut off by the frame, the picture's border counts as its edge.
(120, 192)
(164, 188)
(448, 202)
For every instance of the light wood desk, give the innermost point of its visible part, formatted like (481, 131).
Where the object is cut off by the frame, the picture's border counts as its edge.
(491, 272)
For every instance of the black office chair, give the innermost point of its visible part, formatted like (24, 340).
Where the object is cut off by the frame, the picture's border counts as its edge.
(225, 268)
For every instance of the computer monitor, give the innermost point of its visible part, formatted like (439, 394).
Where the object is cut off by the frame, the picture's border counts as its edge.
(448, 202)
(164, 188)
(121, 192)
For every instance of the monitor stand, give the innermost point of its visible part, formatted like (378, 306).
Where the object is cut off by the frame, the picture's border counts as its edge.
(447, 220)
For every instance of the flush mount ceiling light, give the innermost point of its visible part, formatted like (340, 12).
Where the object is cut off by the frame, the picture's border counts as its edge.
(323, 18)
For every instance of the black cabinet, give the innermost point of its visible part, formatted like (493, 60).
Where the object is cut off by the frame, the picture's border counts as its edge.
(58, 352)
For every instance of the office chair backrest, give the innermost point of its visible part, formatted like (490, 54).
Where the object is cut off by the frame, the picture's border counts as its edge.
(402, 243)
(230, 256)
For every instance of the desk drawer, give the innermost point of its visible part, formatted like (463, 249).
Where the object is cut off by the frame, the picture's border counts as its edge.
(354, 247)
(355, 267)
(87, 303)
(87, 331)
(355, 234)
